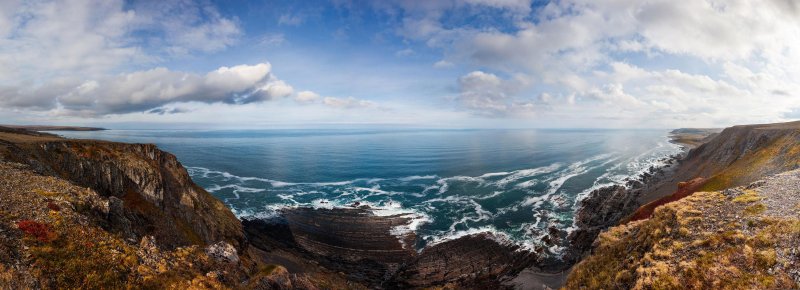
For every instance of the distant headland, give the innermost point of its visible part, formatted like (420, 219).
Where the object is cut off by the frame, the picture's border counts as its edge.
(53, 128)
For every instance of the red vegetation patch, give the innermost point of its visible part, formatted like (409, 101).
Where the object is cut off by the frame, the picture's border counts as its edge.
(684, 189)
(52, 206)
(39, 231)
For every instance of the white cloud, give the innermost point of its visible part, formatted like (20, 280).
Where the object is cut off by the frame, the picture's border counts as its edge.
(187, 26)
(488, 95)
(443, 64)
(614, 94)
(348, 103)
(312, 98)
(151, 89)
(744, 56)
(291, 19)
(307, 97)
(404, 52)
(45, 40)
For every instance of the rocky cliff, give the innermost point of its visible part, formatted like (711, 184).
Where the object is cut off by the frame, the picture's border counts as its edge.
(739, 238)
(736, 156)
(83, 214)
(687, 233)
(150, 193)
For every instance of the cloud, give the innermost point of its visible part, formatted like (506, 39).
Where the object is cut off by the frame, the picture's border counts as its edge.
(45, 40)
(151, 89)
(614, 94)
(272, 39)
(443, 64)
(167, 111)
(404, 52)
(307, 97)
(348, 103)
(310, 98)
(488, 95)
(291, 19)
(186, 26)
(703, 62)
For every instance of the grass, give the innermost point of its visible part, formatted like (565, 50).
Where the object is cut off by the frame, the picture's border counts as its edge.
(694, 243)
(779, 155)
(685, 189)
(748, 197)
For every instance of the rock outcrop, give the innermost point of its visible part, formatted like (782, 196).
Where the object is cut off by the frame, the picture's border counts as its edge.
(607, 206)
(370, 249)
(602, 208)
(150, 192)
(476, 261)
(103, 215)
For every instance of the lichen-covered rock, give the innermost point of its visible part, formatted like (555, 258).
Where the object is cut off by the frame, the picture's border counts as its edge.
(274, 277)
(223, 252)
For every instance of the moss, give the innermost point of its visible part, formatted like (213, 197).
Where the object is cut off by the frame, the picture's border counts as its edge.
(46, 193)
(747, 197)
(268, 269)
(73, 262)
(755, 209)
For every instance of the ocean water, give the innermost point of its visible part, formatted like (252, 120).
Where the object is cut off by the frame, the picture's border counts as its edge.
(515, 183)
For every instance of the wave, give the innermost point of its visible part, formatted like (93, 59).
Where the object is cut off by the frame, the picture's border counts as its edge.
(575, 169)
(459, 205)
(526, 173)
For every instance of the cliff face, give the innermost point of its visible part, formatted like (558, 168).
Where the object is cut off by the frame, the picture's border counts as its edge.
(151, 193)
(737, 156)
(83, 214)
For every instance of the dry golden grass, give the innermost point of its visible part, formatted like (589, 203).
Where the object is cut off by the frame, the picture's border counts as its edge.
(695, 243)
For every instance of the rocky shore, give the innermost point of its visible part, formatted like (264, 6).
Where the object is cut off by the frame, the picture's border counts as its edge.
(608, 206)
(369, 249)
(131, 214)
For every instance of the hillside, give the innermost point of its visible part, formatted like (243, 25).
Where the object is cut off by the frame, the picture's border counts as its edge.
(84, 214)
(740, 238)
(736, 156)
(713, 223)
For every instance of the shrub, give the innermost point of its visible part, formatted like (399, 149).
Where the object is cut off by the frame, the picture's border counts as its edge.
(52, 206)
(37, 230)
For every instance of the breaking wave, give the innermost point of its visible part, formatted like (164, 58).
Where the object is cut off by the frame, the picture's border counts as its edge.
(517, 206)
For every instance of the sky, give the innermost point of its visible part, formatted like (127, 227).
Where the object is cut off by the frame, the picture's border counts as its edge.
(399, 63)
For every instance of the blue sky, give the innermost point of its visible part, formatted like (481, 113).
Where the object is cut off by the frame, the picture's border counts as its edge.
(399, 63)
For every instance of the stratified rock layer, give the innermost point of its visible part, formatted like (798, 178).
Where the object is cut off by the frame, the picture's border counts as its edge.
(353, 241)
(475, 261)
(352, 234)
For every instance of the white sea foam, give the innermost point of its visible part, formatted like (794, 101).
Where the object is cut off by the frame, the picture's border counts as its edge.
(463, 213)
(526, 173)
(494, 174)
(417, 177)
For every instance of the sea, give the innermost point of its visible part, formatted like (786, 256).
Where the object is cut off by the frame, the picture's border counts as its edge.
(514, 183)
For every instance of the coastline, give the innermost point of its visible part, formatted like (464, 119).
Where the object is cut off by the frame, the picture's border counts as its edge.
(40, 128)
(531, 276)
(321, 243)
